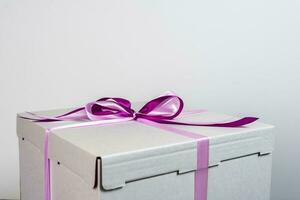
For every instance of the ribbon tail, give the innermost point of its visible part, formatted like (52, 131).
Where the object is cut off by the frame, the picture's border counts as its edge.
(46, 120)
(39, 118)
(237, 123)
(232, 124)
(77, 114)
(71, 112)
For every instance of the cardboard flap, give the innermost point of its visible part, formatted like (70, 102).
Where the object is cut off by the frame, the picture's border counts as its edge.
(118, 170)
(126, 152)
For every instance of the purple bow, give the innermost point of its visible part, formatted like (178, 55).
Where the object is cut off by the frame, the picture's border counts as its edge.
(163, 109)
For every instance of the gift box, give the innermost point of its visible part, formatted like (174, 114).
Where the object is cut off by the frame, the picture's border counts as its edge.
(143, 159)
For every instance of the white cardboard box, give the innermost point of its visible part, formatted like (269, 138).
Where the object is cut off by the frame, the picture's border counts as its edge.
(139, 162)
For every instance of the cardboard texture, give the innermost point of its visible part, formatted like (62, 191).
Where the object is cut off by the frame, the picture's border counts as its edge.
(136, 161)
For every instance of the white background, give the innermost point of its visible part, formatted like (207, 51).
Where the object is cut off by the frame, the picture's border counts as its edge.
(238, 57)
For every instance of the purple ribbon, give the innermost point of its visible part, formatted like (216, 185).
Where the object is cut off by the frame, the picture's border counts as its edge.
(163, 109)
(159, 111)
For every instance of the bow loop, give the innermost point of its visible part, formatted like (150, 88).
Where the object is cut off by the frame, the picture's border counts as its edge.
(108, 108)
(164, 107)
(121, 101)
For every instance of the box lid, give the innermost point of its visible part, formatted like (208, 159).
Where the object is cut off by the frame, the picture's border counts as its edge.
(129, 151)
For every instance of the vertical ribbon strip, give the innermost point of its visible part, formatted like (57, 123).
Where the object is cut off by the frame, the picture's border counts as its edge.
(201, 173)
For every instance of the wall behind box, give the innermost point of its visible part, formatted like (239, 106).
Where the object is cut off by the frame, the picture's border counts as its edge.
(236, 57)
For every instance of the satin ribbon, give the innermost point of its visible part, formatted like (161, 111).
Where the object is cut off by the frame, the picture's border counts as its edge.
(163, 109)
(159, 111)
